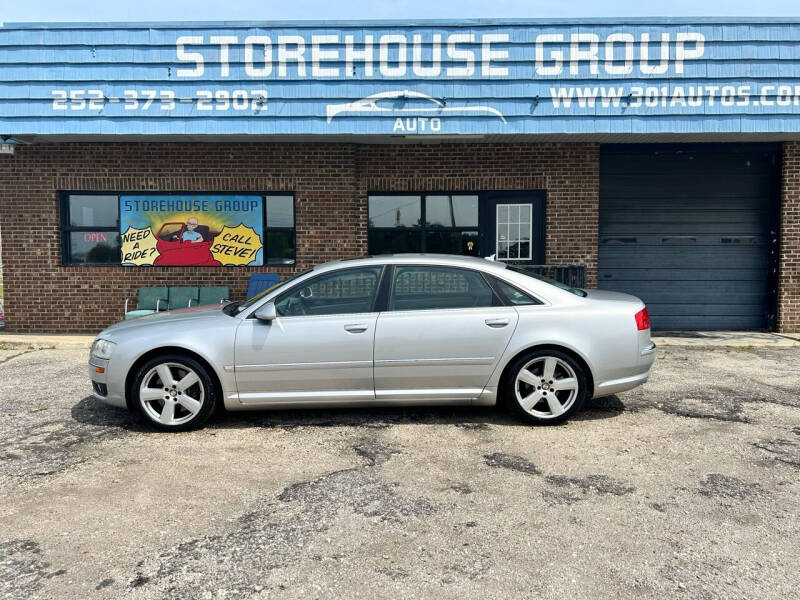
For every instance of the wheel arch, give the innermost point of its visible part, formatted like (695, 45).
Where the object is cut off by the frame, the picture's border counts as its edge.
(174, 350)
(571, 352)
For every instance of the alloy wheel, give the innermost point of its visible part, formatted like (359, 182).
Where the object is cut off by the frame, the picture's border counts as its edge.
(171, 394)
(546, 387)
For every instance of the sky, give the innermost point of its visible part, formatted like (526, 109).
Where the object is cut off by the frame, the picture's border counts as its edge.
(264, 10)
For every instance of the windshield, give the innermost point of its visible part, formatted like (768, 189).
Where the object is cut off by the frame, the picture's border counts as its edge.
(558, 284)
(251, 301)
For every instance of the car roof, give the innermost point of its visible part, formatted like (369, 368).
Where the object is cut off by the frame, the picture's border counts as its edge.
(448, 260)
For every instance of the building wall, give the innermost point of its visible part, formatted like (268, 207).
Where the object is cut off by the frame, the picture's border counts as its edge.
(330, 181)
(789, 270)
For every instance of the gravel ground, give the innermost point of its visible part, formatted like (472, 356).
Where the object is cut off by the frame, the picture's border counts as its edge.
(688, 487)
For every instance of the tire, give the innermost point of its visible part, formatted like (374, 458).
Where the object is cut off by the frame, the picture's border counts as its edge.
(545, 400)
(185, 402)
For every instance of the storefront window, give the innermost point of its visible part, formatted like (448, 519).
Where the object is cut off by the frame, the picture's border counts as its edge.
(435, 223)
(280, 231)
(167, 229)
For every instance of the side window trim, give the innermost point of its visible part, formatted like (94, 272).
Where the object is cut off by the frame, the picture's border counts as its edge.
(493, 283)
(312, 280)
(497, 300)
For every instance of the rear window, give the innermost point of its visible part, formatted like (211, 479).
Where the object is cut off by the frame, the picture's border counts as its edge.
(547, 280)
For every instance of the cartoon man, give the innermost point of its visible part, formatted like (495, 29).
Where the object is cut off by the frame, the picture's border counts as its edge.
(190, 234)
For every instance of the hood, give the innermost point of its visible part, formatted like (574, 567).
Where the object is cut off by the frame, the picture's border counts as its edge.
(166, 318)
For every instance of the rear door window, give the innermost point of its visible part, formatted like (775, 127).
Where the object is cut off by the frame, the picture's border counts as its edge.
(429, 288)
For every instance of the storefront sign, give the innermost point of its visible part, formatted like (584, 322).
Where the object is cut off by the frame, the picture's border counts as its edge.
(430, 78)
(192, 230)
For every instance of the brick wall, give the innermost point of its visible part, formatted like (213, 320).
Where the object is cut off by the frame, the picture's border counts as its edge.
(330, 182)
(789, 270)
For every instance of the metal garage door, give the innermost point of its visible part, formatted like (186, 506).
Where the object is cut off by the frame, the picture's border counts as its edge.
(691, 230)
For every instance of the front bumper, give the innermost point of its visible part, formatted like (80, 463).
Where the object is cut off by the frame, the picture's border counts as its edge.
(100, 383)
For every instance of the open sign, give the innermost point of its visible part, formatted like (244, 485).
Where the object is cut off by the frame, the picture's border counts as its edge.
(95, 237)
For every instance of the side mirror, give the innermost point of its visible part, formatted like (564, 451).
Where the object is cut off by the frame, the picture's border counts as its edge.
(267, 312)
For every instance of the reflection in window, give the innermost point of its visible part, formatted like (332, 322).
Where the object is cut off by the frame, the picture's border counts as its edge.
(279, 233)
(425, 288)
(95, 247)
(342, 292)
(451, 211)
(395, 211)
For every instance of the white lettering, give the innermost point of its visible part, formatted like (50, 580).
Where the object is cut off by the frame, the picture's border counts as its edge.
(285, 55)
(436, 61)
(266, 45)
(317, 55)
(645, 65)
(224, 42)
(682, 54)
(576, 54)
(351, 55)
(195, 57)
(627, 67)
(400, 69)
(468, 56)
(557, 56)
(487, 55)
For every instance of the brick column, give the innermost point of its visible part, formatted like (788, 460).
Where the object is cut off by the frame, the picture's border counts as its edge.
(789, 270)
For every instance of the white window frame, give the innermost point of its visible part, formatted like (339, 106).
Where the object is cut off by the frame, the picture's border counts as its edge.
(497, 231)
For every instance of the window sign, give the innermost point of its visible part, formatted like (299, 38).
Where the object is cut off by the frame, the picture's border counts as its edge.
(191, 230)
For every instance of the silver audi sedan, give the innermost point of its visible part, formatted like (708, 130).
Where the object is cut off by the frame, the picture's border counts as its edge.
(406, 329)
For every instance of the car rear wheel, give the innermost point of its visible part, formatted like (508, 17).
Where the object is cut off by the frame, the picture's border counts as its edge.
(546, 386)
(174, 393)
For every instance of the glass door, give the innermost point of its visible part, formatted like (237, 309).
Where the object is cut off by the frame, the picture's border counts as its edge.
(512, 226)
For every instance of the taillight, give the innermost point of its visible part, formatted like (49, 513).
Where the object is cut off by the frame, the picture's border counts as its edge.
(642, 319)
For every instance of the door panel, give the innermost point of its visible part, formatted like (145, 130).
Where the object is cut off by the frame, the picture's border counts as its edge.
(305, 359)
(440, 353)
(319, 348)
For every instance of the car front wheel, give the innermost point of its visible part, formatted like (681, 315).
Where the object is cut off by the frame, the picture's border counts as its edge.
(546, 386)
(174, 393)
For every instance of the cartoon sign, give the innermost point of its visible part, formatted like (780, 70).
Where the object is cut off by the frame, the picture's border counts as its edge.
(138, 247)
(204, 231)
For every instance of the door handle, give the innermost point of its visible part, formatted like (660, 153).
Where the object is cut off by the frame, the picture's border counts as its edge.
(497, 323)
(356, 328)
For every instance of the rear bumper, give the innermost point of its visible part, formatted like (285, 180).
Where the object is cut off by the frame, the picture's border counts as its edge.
(621, 385)
(640, 375)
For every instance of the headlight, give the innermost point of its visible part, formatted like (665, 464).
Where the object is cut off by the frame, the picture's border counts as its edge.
(103, 349)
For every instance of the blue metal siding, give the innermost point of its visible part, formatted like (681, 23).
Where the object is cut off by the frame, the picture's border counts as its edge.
(754, 66)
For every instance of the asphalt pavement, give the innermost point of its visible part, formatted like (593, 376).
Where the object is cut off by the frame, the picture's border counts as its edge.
(688, 487)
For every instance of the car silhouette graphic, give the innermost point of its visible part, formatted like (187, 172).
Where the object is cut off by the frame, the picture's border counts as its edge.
(395, 102)
(173, 251)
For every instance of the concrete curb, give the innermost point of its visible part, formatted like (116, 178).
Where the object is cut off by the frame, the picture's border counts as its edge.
(728, 339)
(40, 342)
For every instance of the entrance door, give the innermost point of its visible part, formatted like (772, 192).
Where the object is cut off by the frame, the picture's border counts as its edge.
(512, 226)
(320, 347)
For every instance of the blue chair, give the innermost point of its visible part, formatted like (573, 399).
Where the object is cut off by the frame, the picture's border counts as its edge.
(260, 282)
(151, 300)
(214, 294)
(182, 296)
